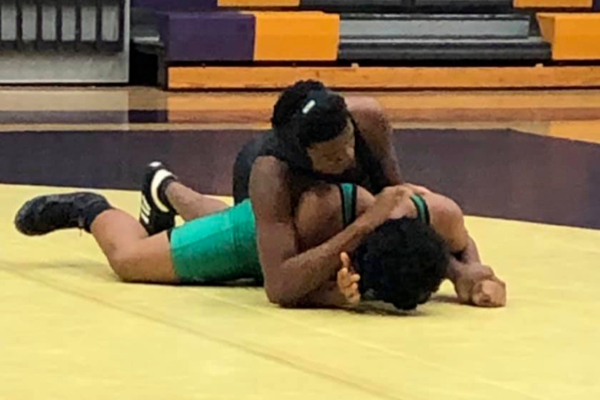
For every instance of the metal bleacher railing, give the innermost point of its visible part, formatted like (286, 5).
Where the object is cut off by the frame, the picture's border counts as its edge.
(95, 32)
(76, 25)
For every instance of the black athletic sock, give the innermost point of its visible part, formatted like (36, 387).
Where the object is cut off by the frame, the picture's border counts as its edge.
(92, 211)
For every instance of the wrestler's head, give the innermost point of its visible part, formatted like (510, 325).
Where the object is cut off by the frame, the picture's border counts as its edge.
(402, 262)
(291, 100)
(320, 129)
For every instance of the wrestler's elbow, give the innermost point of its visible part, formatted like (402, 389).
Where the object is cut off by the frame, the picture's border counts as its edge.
(278, 292)
(280, 298)
(274, 293)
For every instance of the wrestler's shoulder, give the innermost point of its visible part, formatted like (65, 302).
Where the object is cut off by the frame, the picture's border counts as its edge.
(268, 164)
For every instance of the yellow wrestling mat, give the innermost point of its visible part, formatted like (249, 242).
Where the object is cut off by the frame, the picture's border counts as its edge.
(69, 330)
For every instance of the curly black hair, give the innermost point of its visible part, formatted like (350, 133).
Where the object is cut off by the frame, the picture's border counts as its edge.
(291, 100)
(323, 116)
(402, 262)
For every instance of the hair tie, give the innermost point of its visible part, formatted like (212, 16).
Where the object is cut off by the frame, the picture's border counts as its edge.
(309, 106)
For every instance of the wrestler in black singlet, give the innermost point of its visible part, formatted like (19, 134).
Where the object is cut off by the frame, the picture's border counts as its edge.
(367, 173)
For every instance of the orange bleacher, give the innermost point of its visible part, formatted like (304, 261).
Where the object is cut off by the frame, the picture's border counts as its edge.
(296, 36)
(574, 36)
(545, 4)
(391, 49)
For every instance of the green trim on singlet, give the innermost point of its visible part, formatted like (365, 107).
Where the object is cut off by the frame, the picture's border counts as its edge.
(348, 192)
(422, 209)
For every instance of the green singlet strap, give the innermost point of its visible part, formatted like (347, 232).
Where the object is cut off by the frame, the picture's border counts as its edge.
(348, 194)
(422, 209)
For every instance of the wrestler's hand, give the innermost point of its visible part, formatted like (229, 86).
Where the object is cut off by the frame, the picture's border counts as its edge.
(347, 281)
(392, 202)
(489, 293)
(477, 284)
(416, 189)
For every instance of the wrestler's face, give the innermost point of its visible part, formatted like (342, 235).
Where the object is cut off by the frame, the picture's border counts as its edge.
(334, 156)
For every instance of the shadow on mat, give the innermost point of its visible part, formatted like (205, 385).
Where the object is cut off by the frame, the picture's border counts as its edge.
(447, 299)
(381, 308)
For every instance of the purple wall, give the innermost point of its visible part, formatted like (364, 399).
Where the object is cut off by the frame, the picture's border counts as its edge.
(215, 36)
(176, 5)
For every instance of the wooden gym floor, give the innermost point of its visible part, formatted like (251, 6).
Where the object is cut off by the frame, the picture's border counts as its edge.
(524, 165)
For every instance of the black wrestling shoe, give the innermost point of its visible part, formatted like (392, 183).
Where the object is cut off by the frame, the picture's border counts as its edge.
(156, 214)
(46, 214)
